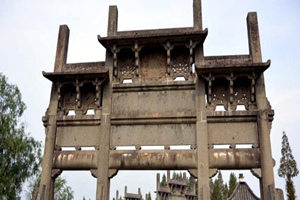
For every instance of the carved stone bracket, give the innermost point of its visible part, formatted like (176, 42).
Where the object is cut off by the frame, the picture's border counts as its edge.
(98, 84)
(59, 85)
(112, 173)
(137, 48)
(78, 93)
(45, 120)
(168, 47)
(194, 172)
(55, 173)
(191, 47)
(210, 78)
(94, 173)
(256, 172)
(212, 172)
(253, 78)
(231, 79)
(115, 50)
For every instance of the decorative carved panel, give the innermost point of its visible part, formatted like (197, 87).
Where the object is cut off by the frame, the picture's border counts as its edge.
(242, 92)
(80, 96)
(126, 64)
(68, 98)
(219, 93)
(153, 63)
(180, 66)
(88, 95)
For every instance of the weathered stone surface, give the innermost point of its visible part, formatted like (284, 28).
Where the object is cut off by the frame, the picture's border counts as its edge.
(156, 88)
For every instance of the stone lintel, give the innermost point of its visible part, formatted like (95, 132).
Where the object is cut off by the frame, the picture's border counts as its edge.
(232, 116)
(158, 160)
(153, 86)
(79, 120)
(234, 158)
(147, 159)
(137, 120)
(75, 160)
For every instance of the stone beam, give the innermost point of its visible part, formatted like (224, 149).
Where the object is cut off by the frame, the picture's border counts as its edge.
(153, 160)
(75, 160)
(158, 160)
(234, 159)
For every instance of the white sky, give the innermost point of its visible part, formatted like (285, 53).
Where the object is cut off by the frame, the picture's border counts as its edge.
(28, 38)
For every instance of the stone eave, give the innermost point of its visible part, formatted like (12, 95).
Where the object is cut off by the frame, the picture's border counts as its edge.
(65, 76)
(153, 37)
(236, 68)
(132, 196)
(176, 182)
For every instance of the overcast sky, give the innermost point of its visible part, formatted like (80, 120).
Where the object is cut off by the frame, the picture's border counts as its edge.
(28, 38)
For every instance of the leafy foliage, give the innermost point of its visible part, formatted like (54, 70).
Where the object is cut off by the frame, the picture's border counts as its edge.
(61, 190)
(19, 153)
(288, 167)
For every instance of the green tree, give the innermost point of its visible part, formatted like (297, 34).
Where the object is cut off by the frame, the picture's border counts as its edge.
(174, 175)
(149, 196)
(177, 176)
(216, 191)
(219, 190)
(19, 153)
(211, 187)
(225, 191)
(163, 182)
(190, 183)
(180, 177)
(288, 167)
(232, 184)
(61, 190)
